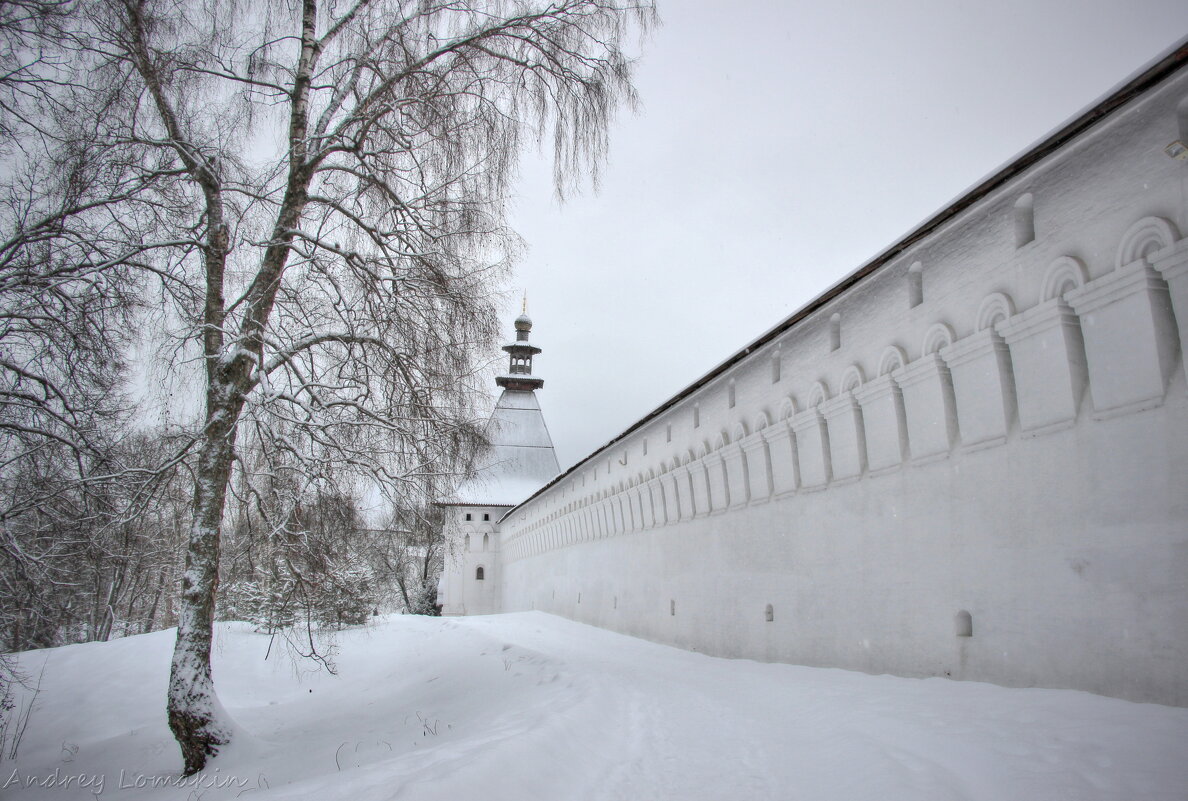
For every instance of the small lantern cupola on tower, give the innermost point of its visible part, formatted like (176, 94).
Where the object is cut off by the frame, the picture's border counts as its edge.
(519, 371)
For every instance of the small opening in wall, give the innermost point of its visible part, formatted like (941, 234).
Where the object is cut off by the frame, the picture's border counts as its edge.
(730, 393)
(835, 332)
(697, 415)
(915, 285)
(964, 624)
(1024, 220)
(478, 573)
(486, 541)
(469, 516)
(668, 433)
(775, 367)
(769, 613)
(672, 608)
(645, 446)
(1182, 120)
(486, 517)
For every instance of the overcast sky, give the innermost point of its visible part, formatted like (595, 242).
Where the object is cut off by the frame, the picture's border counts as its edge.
(780, 145)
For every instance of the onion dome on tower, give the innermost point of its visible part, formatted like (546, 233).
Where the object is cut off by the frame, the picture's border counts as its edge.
(519, 371)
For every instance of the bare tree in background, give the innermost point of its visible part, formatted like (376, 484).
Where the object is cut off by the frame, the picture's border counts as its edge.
(409, 554)
(308, 199)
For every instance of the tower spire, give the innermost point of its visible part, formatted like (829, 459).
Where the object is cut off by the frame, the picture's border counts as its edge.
(519, 370)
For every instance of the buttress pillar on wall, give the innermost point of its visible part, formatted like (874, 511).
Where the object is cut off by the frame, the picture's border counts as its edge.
(1130, 338)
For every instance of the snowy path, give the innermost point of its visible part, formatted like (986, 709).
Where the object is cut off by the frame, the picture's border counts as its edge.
(530, 706)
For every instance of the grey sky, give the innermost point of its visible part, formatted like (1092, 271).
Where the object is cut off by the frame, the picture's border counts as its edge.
(780, 145)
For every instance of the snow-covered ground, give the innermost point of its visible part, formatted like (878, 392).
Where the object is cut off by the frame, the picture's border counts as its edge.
(529, 706)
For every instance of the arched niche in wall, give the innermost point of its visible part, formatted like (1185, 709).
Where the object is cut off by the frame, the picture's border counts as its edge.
(699, 488)
(818, 394)
(761, 421)
(1127, 324)
(915, 276)
(1145, 238)
(1063, 274)
(847, 438)
(812, 439)
(735, 462)
(785, 468)
(994, 309)
(928, 402)
(1024, 220)
(1047, 351)
(852, 378)
(983, 382)
(940, 335)
(893, 358)
(883, 415)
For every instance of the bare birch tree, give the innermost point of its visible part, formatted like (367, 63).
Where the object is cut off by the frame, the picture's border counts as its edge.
(308, 197)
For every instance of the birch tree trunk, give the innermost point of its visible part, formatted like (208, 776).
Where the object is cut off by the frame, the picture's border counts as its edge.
(195, 715)
(335, 286)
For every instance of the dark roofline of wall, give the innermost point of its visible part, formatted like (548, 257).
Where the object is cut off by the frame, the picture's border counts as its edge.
(476, 505)
(1139, 83)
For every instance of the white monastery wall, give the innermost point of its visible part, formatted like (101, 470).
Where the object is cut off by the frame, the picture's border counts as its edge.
(989, 482)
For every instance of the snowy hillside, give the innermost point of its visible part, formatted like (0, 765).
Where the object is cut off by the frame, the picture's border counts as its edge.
(529, 706)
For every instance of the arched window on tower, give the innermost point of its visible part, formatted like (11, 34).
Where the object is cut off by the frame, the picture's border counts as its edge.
(486, 541)
(478, 573)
